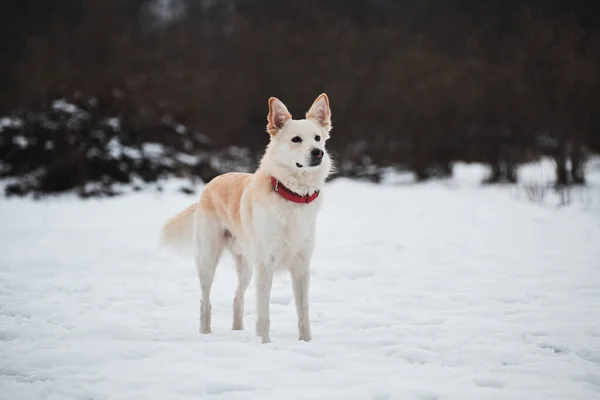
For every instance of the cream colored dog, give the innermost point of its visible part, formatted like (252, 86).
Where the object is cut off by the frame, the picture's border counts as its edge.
(266, 220)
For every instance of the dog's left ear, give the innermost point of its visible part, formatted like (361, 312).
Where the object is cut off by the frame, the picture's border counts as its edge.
(320, 112)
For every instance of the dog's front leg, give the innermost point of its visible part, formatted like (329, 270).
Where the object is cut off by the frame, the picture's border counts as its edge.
(264, 283)
(300, 283)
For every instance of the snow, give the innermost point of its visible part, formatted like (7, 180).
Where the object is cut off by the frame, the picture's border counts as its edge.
(153, 150)
(6, 122)
(187, 159)
(116, 149)
(114, 123)
(442, 290)
(233, 158)
(62, 105)
(20, 141)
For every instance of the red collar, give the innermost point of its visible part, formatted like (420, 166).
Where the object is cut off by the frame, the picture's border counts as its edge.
(291, 196)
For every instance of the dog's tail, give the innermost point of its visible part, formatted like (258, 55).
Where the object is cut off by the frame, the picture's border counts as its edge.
(178, 231)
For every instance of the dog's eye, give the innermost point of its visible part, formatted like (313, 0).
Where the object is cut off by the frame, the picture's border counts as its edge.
(318, 138)
(296, 139)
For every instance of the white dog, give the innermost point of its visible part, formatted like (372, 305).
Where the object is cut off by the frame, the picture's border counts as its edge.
(266, 220)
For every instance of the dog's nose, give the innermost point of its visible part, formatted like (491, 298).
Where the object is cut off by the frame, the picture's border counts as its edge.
(317, 153)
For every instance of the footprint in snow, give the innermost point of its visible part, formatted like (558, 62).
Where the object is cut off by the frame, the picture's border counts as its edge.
(555, 348)
(427, 396)
(488, 382)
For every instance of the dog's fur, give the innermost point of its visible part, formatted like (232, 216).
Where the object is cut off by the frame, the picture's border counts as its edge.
(242, 213)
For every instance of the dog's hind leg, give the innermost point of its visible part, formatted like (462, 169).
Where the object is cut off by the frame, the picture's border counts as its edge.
(209, 245)
(244, 273)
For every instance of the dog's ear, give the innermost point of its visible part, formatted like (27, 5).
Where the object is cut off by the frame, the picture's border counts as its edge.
(320, 112)
(278, 116)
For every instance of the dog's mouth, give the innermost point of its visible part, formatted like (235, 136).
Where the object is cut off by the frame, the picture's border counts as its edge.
(314, 163)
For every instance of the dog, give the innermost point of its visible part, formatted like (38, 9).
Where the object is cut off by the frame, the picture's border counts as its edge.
(266, 219)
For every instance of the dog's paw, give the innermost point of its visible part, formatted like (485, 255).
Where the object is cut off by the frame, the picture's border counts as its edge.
(263, 326)
(237, 326)
(265, 340)
(262, 330)
(304, 333)
(205, 330)
(305, 338)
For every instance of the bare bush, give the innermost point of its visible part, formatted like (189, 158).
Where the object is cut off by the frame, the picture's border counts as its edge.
(536, 191)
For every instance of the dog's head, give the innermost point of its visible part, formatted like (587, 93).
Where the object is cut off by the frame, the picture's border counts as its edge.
(299, 145)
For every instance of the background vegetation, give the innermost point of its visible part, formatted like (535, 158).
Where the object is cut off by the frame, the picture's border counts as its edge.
(102, 92)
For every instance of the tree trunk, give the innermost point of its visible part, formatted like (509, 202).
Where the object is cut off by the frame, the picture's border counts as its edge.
(511, 171)
(562, 177)
(577, 164)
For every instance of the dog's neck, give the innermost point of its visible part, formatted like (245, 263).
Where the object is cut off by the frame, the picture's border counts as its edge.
(301, 181)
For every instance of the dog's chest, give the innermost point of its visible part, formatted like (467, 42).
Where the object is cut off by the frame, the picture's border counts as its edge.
(295, 224)
(284, 233)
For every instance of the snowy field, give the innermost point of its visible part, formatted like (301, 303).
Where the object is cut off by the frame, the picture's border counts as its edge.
(444, 290)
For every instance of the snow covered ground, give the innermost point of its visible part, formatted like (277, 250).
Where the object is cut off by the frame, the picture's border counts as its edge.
(444, 290)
